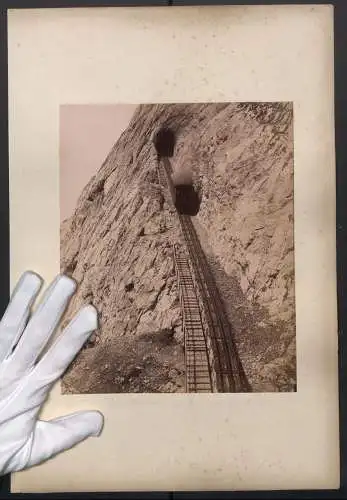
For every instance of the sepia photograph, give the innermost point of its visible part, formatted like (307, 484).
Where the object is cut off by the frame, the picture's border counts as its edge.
(177, 223)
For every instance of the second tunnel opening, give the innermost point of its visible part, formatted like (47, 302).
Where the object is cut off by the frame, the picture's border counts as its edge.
(187, 200)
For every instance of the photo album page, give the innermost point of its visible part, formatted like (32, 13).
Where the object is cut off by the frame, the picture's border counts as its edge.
(179, 165)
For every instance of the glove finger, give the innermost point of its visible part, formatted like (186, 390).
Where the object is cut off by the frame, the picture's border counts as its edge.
(42, 325)
(17, 313)
(54, 362)
(50, 438)
(55, 436)
(59, 356)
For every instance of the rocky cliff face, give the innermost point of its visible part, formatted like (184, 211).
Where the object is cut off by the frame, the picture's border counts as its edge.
(117, 245)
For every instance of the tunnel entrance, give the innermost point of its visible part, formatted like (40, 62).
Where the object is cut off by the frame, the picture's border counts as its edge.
(187, 200)
(164, 142)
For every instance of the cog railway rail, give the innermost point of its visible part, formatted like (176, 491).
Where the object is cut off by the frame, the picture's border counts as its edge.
(212, 360)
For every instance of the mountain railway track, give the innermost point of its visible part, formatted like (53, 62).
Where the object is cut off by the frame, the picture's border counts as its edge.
(226, 364)
(198, 372)
(211, 357)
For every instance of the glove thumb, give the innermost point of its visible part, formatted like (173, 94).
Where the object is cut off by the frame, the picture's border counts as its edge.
(54, 436)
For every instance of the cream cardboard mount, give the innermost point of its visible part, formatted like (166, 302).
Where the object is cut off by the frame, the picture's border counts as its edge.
(186, 55)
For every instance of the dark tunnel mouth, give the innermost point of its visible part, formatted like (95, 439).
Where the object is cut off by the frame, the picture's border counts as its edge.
(187, 199)
(164, 142)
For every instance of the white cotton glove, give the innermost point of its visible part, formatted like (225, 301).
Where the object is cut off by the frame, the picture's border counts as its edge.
(26, 381)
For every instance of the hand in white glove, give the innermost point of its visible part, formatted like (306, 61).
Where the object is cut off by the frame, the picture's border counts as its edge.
(26, 381)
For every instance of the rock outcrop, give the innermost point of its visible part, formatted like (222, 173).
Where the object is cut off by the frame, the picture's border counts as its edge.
(117, 245)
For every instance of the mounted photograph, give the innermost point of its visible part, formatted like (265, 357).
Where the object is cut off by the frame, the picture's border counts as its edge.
(179, 165)
(177, 225)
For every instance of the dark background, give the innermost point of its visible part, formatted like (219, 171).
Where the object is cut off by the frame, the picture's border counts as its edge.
(340, 36)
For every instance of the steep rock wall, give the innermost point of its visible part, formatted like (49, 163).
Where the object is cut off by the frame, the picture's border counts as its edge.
(117, 245)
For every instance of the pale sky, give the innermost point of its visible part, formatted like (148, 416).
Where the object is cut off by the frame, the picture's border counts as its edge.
(87, 134)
